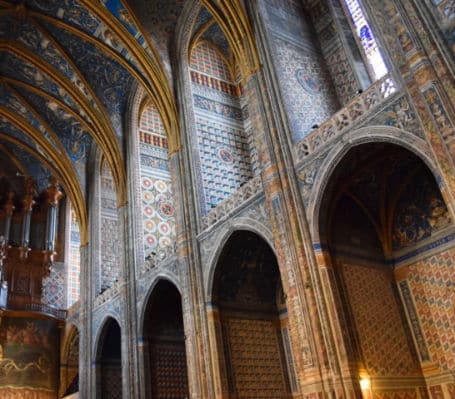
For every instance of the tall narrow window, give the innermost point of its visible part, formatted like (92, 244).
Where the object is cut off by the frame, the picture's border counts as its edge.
(74, 261)
(365, 36)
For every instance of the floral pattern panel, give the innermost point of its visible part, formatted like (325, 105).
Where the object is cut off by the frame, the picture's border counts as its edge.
(158, 217)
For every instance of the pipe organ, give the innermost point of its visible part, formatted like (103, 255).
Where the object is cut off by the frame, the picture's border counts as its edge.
(28, 240)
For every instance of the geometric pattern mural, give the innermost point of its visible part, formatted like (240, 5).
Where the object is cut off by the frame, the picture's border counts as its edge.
(255, 357)
(431, 283)
(54, 287)
(109, 229)
(306, 87)
(385, 348)
(158, 213)
(223, 142)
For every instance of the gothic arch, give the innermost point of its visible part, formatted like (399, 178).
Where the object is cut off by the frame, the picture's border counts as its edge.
(67, 372)
(101, 330)
(109, 369)
(132, 113)
(245, 224)
(163, 276)
(370, 134)
(164, 367)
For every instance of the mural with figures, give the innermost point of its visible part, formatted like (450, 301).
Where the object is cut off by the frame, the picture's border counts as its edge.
(28, 358)
(158, 213)
(420, 212)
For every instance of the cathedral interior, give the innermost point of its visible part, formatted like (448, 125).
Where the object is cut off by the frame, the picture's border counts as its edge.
(227, 199)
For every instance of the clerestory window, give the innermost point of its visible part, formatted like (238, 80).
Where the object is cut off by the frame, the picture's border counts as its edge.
(366, 40)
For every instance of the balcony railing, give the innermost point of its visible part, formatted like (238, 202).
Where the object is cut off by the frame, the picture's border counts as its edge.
(360, 106)
(226, 207)
(109, 293)
(155, 260)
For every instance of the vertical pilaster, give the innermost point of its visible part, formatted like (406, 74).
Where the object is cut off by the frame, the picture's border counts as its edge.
(425, 75)
(130, 363)
(194, 318)
(313, 339)
(86, 361)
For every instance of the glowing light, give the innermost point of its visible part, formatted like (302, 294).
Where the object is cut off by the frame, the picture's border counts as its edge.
(364, 383)
(367, 40)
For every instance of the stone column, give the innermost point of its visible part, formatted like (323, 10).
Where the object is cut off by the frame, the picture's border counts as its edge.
(195, 324)
(312, 337)
(87, 383)
(130, 348)
(415, 55)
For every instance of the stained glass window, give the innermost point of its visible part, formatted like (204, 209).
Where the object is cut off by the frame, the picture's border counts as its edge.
(367, 40)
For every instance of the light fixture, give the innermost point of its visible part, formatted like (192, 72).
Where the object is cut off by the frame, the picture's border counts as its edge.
(364, 383)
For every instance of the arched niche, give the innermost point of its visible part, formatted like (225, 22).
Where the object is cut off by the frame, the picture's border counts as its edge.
(165, 361)
(109, 361)
(250, 321)
(156, 191)
(226, 156)
(108, 229)
(385, 232)
(69, 366)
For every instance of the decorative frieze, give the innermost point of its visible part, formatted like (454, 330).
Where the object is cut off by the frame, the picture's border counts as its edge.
(360, 106)
(234, 201)
(156, 259)
(108, 294)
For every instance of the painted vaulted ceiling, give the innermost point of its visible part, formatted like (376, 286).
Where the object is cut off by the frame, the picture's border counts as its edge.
(68, 68)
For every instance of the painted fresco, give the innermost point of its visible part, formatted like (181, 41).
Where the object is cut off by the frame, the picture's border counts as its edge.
(158, 212)
(222, 127)
(28, 358)
(420, 213)
(305, 84)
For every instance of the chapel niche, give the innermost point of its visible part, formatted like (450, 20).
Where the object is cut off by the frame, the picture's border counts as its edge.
(164, 344)
(109, 362)
(251, 321)
(226, 156)
(381, 208)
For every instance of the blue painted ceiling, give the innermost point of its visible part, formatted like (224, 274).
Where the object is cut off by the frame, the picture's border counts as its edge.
(67, 68)
(62, 71)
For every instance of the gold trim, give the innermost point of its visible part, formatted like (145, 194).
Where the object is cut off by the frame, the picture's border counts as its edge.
(67, 173)
(104, 134)
(232, 19)
(197, 35)
(32, 110)
(46, 95)
(15, 160)
(159, 89)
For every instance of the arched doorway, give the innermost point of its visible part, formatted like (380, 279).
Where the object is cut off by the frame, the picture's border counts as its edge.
(251, 321)
(164, 344)
(69, 367)
(109, 362)
(382, 221)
